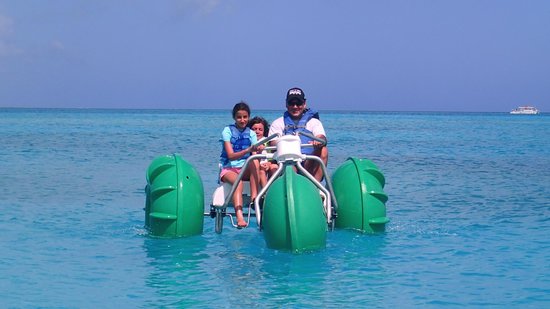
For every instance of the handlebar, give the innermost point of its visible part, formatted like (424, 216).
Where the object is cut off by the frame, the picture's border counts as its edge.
(313, 137)
(276, 135)
(265, 140)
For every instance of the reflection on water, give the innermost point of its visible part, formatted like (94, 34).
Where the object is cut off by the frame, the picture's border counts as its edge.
(235, 268)
(174, 264)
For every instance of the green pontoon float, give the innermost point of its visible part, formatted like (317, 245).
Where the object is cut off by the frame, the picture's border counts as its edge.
(294, 211)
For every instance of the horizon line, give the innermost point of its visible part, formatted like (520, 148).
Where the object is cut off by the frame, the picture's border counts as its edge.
(223, 109)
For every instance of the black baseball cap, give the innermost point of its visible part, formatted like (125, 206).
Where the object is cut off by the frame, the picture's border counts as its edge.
(295, 94)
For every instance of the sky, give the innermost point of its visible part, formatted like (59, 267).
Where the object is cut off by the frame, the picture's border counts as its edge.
(372, 55)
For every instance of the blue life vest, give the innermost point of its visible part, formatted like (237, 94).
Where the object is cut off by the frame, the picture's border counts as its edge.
(292, 127)
(240, 140)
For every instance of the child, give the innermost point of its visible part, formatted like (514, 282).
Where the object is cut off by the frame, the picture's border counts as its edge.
(260, 126)
(237, 141)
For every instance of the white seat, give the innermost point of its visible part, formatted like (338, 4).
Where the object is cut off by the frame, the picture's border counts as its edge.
(222, 191)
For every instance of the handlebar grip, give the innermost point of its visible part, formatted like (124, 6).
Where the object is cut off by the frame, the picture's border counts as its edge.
(313, 137)
(265, 140)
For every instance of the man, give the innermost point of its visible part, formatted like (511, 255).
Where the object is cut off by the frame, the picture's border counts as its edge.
(298, 118)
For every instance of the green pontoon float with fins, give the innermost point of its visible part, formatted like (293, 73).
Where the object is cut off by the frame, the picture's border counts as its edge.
(294, 210)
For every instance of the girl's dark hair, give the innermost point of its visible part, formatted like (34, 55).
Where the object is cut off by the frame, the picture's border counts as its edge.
(261, 120)
(241, 106)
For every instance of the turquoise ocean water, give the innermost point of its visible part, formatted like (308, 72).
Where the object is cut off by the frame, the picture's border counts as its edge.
(469, 203)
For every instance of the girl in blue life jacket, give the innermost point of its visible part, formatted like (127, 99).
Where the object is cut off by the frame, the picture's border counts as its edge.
(237, 140)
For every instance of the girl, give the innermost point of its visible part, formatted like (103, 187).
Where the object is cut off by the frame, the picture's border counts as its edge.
(260, 126)
(237, 146)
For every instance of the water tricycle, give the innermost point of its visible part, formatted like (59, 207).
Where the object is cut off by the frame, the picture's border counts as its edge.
(293, 210)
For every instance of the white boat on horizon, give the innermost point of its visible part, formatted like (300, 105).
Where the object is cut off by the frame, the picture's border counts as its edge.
(525, 110)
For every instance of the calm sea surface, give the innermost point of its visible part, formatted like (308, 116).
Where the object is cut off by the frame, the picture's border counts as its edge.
(469, 208)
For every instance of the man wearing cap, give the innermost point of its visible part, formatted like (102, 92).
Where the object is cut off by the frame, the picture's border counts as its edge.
(299, 118)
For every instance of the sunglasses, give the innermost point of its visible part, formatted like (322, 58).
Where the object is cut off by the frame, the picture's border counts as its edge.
(295, 103)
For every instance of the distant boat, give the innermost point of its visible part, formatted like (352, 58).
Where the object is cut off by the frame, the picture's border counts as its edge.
(525, 110)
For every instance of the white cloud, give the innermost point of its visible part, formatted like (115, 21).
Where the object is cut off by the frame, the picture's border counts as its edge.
(6, 31)
(198, 7)
(57, 45)
(6, 26)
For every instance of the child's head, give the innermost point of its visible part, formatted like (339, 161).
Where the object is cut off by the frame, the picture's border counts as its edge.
(241, 112)
(259, 125)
